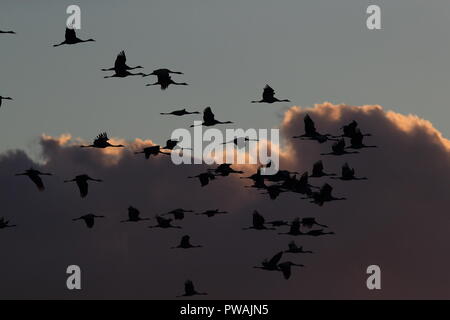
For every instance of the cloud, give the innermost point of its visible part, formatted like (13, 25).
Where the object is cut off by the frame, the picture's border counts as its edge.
(398, 219)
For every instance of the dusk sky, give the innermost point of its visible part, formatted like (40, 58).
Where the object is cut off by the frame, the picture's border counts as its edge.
(318, 54)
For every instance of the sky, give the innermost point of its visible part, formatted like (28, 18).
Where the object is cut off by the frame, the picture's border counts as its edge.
(318, 54)
(309, 52)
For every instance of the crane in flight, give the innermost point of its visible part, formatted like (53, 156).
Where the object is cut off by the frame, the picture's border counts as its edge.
(180, 113)
(88, 219)
(102, 142)
(268, 96)
(71, 38)
(209, 119)
(185, 243)
(134, 215)
(82, 183)
(5, 224)
(34, 176)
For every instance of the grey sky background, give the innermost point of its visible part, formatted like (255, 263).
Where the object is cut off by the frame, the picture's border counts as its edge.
(309, 51)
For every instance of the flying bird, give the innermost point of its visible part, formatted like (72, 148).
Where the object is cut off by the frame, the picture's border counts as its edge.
(356, 141)
(324, 195)
(186, 244)
(178, 214)
(310, 222)
(4, 98)
(88, 219)
(349, 130)
(318, 172)
(258, 222)
(240, 141)
(209, 118)
(204, 178)
(164, 78)
(225, 170)
(293, 248)
(120, 63)
(272, 264)
(212, 213)
(82, 183)
(285, 268)
(71, 38)
(338, 149)
(163, 223)
(7, 32)
(5, 224)
(348, 173)
(134, 215)
(311, 132)
(34, 176)
(101, 142)
(190, 291)
(179, 113)
(268, 96)
(152, 151)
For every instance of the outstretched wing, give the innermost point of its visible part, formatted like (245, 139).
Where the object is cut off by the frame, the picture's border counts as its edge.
(276, 258)
(285, 268)
(37, 181)
(83, 186)
(268, 93)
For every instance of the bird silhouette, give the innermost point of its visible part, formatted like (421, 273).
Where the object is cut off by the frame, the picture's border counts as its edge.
(164, 78)
(311, 133)
(350, 129)
(34, 176)
(5, 224)
(4, 98)
(211, 213)
(258, 222)
(293, 248)
(7, 32)
(120, 63)
(272, 263)
(310, 222)
(186, 244)
(286, 268)
(225, 169)
(88, 219)
(178, 214)
(324, 195)
(190, 291)
(268, 96)
(71, 38)
(356, 141)
(152, 151)
(134, 215)
(179, 113)
(240, 141)
(171, 144)
(82, 183)
(209, 118)
(348, 173)
(204, 178)
(318, 172)
(338, 149)
(294, 229)
(273, 191)
(163, 223)
(101, 142)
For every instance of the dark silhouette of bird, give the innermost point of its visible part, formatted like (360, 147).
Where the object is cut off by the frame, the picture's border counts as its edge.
(171, 144)
(82, 183)
(356, 141)
(338, 149)
(163, 223)
(240, 141)
(178, 214)
(258, 182)
(324, 195)
(311, 133)
(268, 96)
(179, 113)
(4, 98)
(152, 151)
(88, 219)
(294, 229)
(71, 38)
(274, 191)
(34, 176)
(348, 173)
(8, 32)
(318, 172)
(209, 119)
(350, 129)
(310, 222)
(185, 243)
(211, 213)
(272, 264)
(164, 78)
(278, 223)
(5, 224)
(285, 268)
(134, 215)
(120, 63)
(293, 248)
(301, 185)
(190, 291)
(101, 142)
(204, 178)
(258, 222)
(225, 169)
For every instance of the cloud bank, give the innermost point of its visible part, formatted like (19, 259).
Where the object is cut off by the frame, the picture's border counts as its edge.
(398, 219)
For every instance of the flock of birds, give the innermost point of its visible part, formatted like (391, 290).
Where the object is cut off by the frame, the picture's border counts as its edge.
(273, 185)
